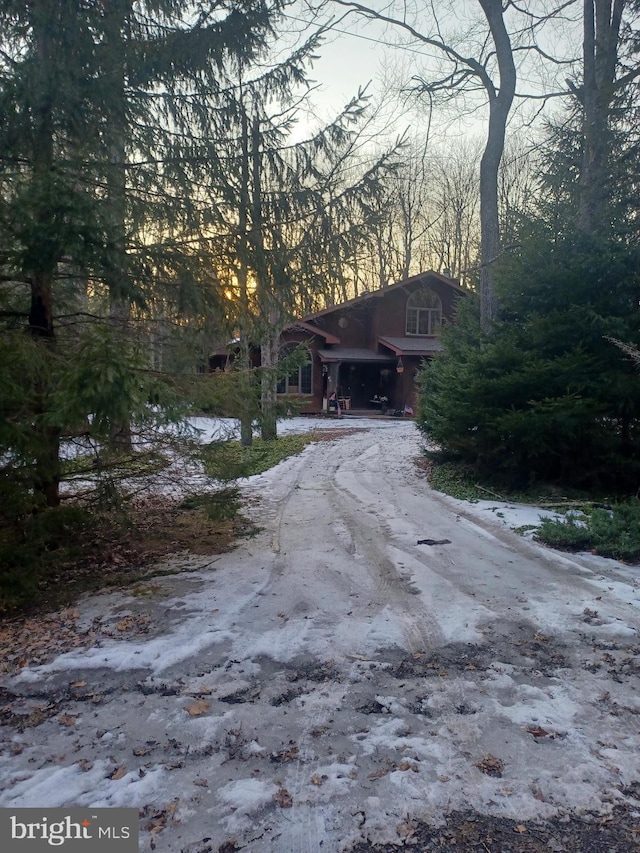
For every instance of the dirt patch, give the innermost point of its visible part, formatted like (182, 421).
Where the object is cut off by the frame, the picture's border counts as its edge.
(34, 640)
(469, 831)
(331, 434)
(118, 548)
(544, 652)
(316, 672)
(116, 553)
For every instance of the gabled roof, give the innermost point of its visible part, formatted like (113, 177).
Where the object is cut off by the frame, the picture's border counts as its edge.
(382, 291)
(300, 324)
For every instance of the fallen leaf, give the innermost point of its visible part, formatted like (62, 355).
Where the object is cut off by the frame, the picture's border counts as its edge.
(491, 765)
(119, 772)
(378, 774)
(84, 764)
(200, 706)
(536, 731)
(316, 780)
(406, 830)
(520, 828)
(202, 783)
(67, 720)
(78, 684)
(283, 798)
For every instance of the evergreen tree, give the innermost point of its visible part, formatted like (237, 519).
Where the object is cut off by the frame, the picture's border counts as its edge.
(288, 214)
(547, 397)
(99, 113)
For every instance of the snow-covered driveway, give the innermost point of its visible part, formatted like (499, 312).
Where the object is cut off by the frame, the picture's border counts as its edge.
(332, 679)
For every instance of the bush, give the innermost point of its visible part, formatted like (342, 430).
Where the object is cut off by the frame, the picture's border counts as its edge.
(30, 544)
(610, 533)
(217, 506)
(545, 397)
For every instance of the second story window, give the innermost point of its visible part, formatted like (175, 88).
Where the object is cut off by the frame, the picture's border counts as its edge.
(424, 313)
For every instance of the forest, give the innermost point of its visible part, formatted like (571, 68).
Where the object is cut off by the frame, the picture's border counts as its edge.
(163, 191)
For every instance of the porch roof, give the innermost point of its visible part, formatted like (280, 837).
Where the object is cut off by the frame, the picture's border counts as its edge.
(411, 345)
(360, 354)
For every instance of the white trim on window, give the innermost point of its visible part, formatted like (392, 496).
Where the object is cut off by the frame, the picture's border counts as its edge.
(424, 313)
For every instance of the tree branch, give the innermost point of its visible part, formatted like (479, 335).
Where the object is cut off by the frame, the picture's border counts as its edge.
(452, 54)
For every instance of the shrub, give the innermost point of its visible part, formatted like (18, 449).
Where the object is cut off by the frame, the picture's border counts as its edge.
(546, 396)
(610, 533)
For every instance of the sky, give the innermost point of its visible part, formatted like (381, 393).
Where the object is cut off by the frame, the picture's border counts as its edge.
(358, 52)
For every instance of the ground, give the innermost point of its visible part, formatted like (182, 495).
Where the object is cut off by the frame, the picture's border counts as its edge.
(380, 666)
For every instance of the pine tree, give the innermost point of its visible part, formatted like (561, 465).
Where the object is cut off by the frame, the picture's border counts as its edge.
(290, 213)
(99, 114)
(549, 397)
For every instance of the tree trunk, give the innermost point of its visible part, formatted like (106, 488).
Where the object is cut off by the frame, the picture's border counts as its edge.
(246, 408)
(499, 106)
(269, 397)
(41, 328)
(267, 297)
(601, 30)
(116, 280)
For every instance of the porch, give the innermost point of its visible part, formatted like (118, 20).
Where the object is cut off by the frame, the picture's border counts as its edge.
(359, 380)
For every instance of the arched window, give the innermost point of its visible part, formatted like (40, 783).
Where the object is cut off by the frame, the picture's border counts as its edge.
(299, 380)
(424, 313)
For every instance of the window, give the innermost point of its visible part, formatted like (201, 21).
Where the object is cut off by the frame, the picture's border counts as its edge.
(300, 379)
(424, 313)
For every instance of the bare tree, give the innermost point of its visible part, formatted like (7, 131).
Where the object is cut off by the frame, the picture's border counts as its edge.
(453, 204)
(464, 73)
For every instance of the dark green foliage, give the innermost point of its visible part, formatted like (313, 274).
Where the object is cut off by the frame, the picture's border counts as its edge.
(106, 115)
(610, 533)
(569, 534)
(546, 396)
(223, 505)
(31, 542)
(455, 480)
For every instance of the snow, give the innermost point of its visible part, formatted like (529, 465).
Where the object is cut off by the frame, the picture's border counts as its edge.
(247, 795)
(337, 660)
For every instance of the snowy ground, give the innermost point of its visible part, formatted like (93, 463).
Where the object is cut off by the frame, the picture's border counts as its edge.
(332, 679)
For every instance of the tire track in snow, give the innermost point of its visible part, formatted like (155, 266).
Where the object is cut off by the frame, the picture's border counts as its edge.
(371, 536)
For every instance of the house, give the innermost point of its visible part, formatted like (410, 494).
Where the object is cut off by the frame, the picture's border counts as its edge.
(365, 353)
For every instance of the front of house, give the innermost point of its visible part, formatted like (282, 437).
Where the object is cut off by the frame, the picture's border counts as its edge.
(365, 353)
